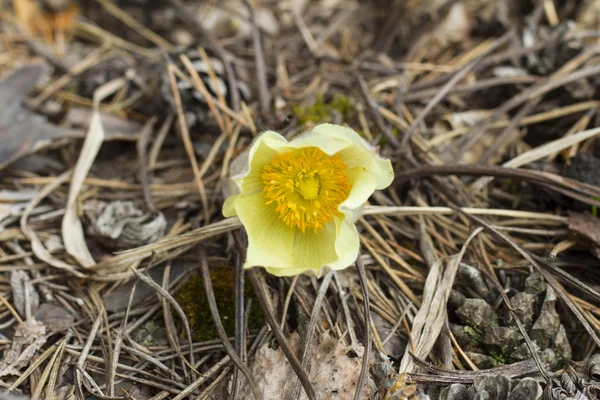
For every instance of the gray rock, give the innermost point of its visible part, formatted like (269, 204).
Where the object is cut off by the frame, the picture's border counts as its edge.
(523, 304)
(456, 391)
(492, 387)
(526, 389)
(562, 347)
(478, 314)
(506, 339)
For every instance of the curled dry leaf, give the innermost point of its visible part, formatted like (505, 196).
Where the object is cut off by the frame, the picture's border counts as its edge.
(29, 337)
(123, 225)
(21, 131)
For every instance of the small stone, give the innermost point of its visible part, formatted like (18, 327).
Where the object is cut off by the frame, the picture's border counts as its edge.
(465, 335)
(456, 391)
(562, 347)
(505, 339)
(492, 387)
(545, 327)
(526, 389)
(523, 305)
(534, 284)
(478, 314)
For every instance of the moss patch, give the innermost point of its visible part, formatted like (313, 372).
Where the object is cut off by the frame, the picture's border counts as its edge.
(192, 299)
(322, 109)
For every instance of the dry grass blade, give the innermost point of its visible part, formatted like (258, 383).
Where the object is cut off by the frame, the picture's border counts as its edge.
(312, 323)
(208, 289)
(172, 335)
(163, 293)
(50, 367)
(430, 319)
(185, 135)
(240, 321)
(114, 359)
(367, 314)
(138, 27)
(259, 60)
(36, 245)
(72, 231)
(268, 310)
(84, 353)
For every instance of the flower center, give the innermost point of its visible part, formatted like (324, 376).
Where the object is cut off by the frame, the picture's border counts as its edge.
(307, 186)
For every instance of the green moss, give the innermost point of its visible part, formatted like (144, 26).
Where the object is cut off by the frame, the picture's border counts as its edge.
(322, 109)
(192, 298)
(474, 335)
(594, 208)
(497, 358)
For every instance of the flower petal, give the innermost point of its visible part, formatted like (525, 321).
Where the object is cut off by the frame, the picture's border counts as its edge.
(346, 244)
(270, 241)
(284, 251)
(357, 152)
(229, 206)
(245, 169)
(363, 185)
(334, 248)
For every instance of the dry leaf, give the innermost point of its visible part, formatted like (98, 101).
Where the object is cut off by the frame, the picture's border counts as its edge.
(428, 322)
(454, 28)
(21, 131)
(54, 317)
(72, 230)
(22, 290)
(29, 337)
(588, 227)
(122, 225)
(333, 374)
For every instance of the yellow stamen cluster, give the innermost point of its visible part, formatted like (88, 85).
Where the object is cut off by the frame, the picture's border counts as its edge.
(307, 186)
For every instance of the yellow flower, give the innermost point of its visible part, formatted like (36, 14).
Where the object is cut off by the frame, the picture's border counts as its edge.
(299, 200)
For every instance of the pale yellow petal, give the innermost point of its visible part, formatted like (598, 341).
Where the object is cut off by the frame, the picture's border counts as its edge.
(334, 248)
(328, 144)
(358, 153)
(284, 251)
(314, 250)
(288, 271)
(270, 241)
(347, 244)
(245, 169)
(363, 185)
(229, 206)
